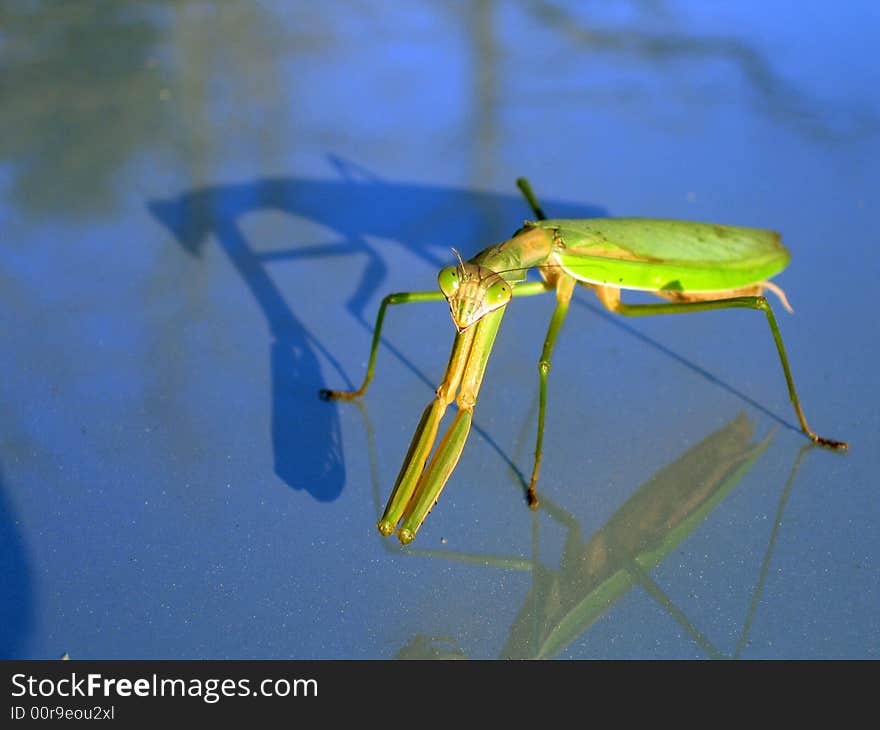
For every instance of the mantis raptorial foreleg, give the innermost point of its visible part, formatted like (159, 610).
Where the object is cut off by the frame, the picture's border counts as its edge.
(446, 457)
(610, 297)
(426, 433)
(417, 488)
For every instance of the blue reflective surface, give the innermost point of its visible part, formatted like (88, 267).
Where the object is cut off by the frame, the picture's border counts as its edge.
(202, 209)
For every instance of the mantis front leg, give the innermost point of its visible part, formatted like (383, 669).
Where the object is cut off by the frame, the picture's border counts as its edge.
(425, 434)
(418, 488)
(416, 491)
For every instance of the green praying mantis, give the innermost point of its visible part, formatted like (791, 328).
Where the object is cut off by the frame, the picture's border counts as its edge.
(696, 267)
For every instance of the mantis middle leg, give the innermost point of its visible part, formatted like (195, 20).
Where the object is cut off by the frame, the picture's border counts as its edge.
(564, 290)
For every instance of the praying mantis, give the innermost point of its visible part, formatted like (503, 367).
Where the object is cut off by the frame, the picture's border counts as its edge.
(695, 267)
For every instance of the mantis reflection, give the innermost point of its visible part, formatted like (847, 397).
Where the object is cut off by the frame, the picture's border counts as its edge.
(596, 571)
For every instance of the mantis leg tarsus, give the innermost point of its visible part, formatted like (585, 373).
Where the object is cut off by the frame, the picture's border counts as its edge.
(532, 498)
(610, 298)
(828, 443)
(832, 443)
(325, 394)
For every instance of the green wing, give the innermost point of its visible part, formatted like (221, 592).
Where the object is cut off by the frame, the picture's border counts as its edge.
(667, 255)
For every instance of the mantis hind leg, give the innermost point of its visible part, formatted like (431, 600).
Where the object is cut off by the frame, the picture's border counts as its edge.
(610, 297)
(564, 290)
(396, 298)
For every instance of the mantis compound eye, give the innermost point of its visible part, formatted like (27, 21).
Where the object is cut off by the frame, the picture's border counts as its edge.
(498, 294)
(449, 280)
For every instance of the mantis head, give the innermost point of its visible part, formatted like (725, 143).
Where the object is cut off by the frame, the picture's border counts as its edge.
(472, 292)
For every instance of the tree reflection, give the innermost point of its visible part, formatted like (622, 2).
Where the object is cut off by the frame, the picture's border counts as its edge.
(82, 92)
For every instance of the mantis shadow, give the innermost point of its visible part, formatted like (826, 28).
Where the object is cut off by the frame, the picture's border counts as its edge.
(305, 432)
